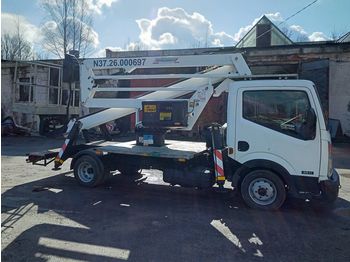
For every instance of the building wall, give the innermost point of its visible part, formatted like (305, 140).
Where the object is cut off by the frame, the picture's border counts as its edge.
(41, 92)
(6, 92)
(339, 93)
(22, 112)
(30, 113)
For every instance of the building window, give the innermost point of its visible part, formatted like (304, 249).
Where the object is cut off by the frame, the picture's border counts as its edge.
(54, 77)
(65, 96)
(75, 94)
(263, 35)
(282, 111)
(25, 90)
(53, 96)
(76, 98)
(54, 86)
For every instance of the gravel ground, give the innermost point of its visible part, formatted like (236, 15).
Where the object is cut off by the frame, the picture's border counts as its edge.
(46, 216)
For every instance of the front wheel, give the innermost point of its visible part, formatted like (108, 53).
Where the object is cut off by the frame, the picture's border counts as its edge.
(263, 189)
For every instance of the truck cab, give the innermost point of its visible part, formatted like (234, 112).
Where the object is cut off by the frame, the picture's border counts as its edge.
(277, 128)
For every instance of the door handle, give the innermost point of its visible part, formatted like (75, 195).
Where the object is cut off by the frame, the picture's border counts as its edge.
(243, 146)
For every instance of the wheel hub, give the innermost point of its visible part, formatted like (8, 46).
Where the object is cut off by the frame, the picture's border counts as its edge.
(86, 172)
(262, 191)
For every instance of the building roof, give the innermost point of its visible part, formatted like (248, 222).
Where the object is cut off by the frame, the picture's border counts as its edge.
(22, 63)
(266, 33)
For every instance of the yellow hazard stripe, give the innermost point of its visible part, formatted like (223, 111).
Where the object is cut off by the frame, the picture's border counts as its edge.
(220, 178)
(59, 160)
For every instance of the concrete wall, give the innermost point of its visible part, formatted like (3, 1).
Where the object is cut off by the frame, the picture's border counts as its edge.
(339, 93)
(27, 113)
(41, 92)
(6, 92)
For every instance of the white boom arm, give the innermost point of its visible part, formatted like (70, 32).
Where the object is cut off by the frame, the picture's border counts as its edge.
(230, 65)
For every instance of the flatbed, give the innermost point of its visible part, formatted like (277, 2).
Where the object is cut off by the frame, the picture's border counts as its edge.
(172, 149)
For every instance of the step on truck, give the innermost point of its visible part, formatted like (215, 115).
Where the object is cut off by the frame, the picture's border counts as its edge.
(274, 143)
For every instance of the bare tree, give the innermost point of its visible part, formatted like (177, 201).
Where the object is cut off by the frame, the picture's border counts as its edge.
(289, 33)
(16, 47)
(335, 35)
(68, 26)
(301, 38)
(294, 35)
(195, 44)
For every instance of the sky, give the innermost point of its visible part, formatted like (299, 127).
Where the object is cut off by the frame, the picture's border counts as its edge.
(170, 24)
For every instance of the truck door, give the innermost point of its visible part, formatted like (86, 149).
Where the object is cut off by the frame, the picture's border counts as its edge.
(273, 124)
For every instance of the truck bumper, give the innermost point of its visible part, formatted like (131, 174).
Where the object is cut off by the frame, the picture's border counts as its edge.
(330, 187)
(311, 188)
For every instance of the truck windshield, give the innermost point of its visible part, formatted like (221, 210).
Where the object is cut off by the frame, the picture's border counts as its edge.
(284, 111)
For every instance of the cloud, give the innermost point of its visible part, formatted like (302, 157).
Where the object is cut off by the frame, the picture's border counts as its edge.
(318, 36)
(300, 34)
(94, 6)
(275, 17)
(11, 24)
(221, 38)
(243, 31)
(297, 33)
(102, 52)
(51, 25)
(93, 36)
(133, 46)
(174, 27)
(97, 5)
(298, 29)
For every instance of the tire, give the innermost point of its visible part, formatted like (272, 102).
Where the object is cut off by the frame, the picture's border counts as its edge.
(89, 171)
(263, 189)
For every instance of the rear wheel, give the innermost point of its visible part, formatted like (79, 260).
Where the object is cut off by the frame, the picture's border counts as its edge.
(89, 171)
(263, 189)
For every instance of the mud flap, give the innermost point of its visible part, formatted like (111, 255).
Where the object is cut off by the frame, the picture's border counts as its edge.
(330, 188)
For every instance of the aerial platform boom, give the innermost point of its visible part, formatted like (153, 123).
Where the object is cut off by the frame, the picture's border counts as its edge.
(93, 72)
(226, 65)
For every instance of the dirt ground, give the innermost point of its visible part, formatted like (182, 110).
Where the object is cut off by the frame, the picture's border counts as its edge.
(47, 216)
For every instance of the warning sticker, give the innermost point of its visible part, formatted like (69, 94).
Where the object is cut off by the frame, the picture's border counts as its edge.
(150, 108)
(164, 116)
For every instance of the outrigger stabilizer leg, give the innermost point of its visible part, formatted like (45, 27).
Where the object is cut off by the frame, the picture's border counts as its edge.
(67, 150)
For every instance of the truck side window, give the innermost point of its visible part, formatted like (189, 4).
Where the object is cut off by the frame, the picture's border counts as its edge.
(283, 111)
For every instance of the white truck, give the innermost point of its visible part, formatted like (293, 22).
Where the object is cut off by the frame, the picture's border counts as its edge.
(274, 144)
